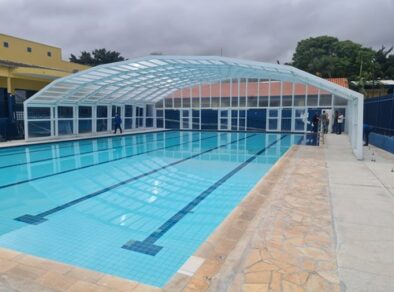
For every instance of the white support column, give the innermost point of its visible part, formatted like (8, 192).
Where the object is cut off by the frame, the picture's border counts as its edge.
(122, 115)
(239, 94)
(94, 119)
(293, 111)
(359, 128)
(164, 116)
(25, 121)
(54, 122)
(199, 94)
(109, 118)
(220, 90)
(154, 117)
(144, 111)
(246, 103)
(134, 119)
(75, 120)
(258, 93)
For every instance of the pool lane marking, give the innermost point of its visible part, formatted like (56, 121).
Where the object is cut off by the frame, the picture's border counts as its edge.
(39, 218)
(103, 162)
(87, 152)
(148, 246)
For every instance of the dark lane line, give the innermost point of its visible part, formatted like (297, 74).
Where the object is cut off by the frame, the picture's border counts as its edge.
(87, 152)
(148, 247)
(95, 164)
(115, 138)
(39, 218)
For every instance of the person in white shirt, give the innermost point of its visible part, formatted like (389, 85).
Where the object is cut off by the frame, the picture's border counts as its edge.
(340, 123)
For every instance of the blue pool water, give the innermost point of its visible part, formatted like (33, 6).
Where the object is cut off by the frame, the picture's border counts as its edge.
(134, 206)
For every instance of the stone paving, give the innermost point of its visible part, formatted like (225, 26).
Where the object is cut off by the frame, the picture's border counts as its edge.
(280, 238)
(291, 245)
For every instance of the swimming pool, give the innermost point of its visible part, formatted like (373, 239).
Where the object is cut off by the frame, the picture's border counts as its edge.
(134, 206)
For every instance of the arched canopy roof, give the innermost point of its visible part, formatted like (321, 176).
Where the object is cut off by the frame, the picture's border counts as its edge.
(151, 78)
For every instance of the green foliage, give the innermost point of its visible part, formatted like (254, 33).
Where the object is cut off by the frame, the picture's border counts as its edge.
(97, 57)
(326, 56)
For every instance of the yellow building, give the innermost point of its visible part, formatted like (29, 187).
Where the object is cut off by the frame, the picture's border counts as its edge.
(25, 68)
(30, 65)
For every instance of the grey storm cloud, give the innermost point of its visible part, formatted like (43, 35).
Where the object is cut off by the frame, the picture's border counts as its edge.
(252, 29)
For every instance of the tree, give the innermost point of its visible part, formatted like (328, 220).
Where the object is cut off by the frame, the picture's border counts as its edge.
(386, 62)
(326, 56)
(97, 57)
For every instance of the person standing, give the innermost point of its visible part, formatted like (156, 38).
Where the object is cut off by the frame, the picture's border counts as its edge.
(367, 130)
(315, 123)
(335, 125)
(325, 122)
(118, 122)
(340, 123)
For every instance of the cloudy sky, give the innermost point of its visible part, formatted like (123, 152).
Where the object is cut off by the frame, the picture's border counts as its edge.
(263, 30)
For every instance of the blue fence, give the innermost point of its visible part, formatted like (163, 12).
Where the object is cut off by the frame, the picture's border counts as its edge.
(379, 113)
(8, 125)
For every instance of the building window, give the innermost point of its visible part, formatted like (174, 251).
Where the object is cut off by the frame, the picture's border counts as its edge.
(29, 49)
(49, 54)
(5, 44)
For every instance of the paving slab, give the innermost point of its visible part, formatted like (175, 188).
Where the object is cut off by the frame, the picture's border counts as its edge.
(363, 210)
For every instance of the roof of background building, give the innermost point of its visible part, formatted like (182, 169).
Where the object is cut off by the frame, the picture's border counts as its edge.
(262, 88)
(340, 81)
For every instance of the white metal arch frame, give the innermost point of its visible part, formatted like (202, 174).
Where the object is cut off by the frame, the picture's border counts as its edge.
(151, 78)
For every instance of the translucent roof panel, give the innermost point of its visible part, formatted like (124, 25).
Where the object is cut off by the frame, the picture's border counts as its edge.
(149, 79)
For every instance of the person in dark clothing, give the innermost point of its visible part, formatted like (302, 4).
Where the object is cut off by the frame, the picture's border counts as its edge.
(315, 128)
(315, 123)
(118, 122)
(335, 125)
(367, 129)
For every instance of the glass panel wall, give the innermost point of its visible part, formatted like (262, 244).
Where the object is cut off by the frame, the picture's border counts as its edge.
(39, 122)
(149, 115)
(239, 96)
(139, 123)
(84, 119)
(128, 116)
(102, 118)
(65, 122)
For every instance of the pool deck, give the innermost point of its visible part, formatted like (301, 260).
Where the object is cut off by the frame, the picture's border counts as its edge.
(320, 220)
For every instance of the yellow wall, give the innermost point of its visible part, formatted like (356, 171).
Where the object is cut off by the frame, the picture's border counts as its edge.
(17, 52)
(23, 77)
